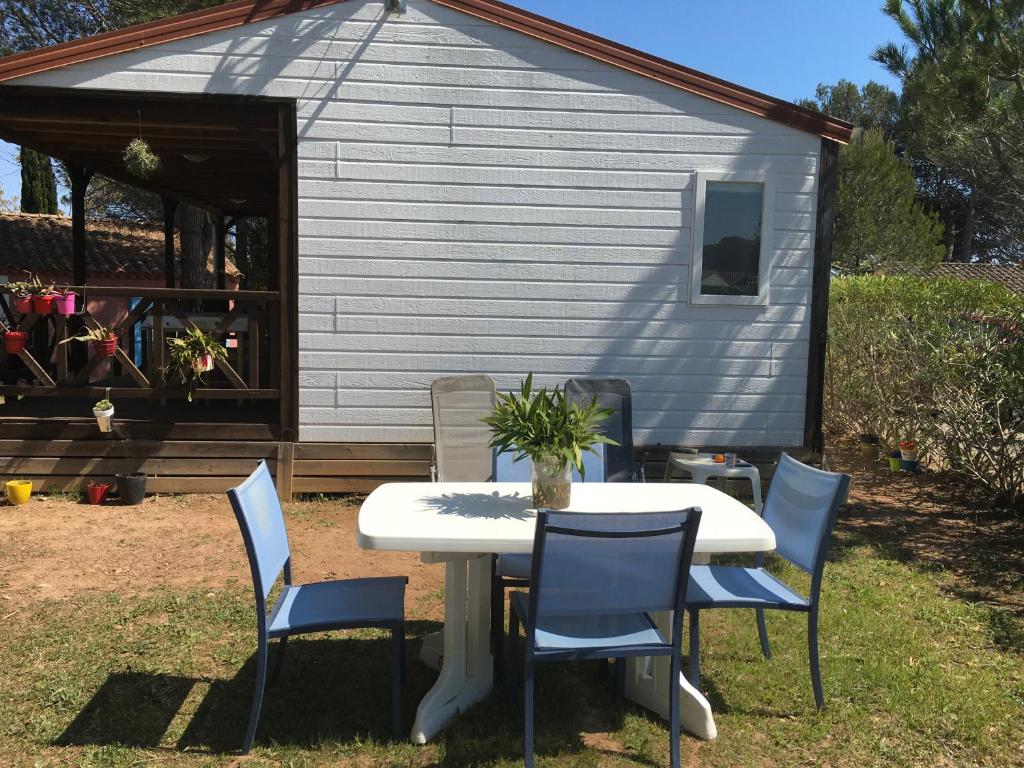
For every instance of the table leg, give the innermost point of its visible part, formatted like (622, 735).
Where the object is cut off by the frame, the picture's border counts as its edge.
(465, 676)
(647, 681)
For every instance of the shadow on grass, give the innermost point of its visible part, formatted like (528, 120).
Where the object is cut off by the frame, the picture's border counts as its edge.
(936, 524)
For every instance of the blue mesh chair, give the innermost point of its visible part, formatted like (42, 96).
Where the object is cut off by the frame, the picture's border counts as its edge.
(512, 571)
(620, 460)
(801, 508)
(596, 579)
(302, 608)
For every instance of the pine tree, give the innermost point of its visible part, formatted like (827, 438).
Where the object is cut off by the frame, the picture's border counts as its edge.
(38, 184)
(879, 222)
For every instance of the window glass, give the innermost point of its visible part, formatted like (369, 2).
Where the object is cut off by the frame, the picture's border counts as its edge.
(732, 238)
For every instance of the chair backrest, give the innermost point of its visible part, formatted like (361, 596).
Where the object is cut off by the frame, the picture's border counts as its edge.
(508, 470)
(599, 563)
(801, 509)
(620, 461)
(461, 450)
(259, 516)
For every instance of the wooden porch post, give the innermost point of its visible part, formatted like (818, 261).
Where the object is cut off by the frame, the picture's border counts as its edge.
(284, 234)
(170, 208)
(80, 178)
(220, 250)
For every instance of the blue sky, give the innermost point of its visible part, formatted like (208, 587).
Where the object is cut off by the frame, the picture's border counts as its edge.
(781, 47)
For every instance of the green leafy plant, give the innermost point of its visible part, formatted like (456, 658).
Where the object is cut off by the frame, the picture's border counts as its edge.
(20, 288)
(139, 159)
(99, 333)
(103, 405)
(546, 426)
(187, 350)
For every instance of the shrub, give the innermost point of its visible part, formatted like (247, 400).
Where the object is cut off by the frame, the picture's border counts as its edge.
(940, 361)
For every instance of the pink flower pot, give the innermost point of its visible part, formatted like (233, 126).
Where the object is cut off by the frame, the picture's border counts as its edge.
(64, 304)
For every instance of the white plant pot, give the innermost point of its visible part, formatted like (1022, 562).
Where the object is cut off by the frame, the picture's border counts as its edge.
(105, 419)
(202, 364)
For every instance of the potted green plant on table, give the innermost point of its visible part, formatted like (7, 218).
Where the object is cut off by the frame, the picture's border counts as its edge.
(102, 339)
(104, 413)
(192, 355)
(552, 432)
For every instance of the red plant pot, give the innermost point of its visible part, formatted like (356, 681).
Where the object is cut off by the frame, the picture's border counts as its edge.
(97, 493)
(22, 304)
(15, 341)
(43, 304)
(105, 347)
(65, 303)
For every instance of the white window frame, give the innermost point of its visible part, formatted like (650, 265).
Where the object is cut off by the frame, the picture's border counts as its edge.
(767, 178)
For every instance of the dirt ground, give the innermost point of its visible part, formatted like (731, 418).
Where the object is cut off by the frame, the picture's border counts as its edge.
(58, 547)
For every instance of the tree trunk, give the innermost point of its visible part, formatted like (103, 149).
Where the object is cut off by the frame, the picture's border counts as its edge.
(196, 236)
(967, 233)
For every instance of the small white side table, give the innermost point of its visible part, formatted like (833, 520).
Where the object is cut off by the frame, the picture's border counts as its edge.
(702, 466)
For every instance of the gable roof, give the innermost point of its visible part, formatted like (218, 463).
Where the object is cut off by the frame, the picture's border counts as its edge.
(246, 11)
(41, 244)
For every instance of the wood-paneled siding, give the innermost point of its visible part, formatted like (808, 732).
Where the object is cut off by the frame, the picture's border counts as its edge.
(472, 199)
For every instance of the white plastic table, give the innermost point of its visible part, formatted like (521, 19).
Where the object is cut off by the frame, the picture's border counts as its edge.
(702, 466)
(463, 524)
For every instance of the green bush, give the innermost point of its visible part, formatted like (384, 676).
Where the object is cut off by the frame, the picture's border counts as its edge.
(939, 361)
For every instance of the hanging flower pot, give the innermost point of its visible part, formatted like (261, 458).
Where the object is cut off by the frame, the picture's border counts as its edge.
(42, 304)
(105, 347)
(15, 341)
(22, 304)
(104, 413)
(103, 341)
(203, 364)
(64, 304)
(139, 159)
(18, 491)
(97, 492)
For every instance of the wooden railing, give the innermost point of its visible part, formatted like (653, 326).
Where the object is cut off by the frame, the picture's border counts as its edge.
(244, 320)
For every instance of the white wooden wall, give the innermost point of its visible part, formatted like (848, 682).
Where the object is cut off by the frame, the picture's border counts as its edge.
(473, 200)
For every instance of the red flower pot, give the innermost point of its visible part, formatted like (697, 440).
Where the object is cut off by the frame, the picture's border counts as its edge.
(97, 493)
(105, 347)
(65, 303)
(15, 341)
(43, 304)
(22, 304)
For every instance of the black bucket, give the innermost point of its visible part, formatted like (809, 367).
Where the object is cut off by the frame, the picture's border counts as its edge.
(131, 487)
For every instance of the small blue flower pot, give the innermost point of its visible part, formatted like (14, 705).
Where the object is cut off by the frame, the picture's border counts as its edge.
(910, 466)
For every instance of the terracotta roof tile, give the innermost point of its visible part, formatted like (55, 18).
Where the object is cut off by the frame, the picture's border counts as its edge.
(41, 243)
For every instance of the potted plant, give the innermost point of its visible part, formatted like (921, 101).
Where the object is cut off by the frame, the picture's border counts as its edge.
(96, 491)
(102, 339)
(131, 487)
(18, 491)
(192, 355)
(64, 302)
(908, 450)
(104, 413)
(14, 341)
(552, 432)
(21, 292)
(895, 461)
(139, 159)
(868, 445)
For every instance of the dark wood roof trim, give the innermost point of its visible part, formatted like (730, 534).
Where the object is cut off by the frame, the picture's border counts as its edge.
(539, 27)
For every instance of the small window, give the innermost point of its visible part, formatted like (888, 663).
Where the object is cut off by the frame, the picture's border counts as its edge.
(731, 239)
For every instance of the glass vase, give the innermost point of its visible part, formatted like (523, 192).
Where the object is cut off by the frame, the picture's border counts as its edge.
(552, 483)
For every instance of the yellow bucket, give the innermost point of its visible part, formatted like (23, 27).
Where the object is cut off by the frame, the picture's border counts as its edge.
(19, 491)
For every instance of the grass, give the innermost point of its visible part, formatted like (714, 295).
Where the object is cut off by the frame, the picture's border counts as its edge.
(913, 677)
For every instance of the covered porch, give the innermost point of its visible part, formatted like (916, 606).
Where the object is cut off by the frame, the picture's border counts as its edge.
(232, 157)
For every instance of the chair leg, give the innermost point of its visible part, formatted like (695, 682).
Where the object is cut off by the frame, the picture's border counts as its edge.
(257, 695)
(620, 678)
(694, 674)
(397, 663)
(497, 625)
(515, 659)
(528, 669)
(403, 671)
(282, 646)
(673, 710)
(762, 631)
(812, 651)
